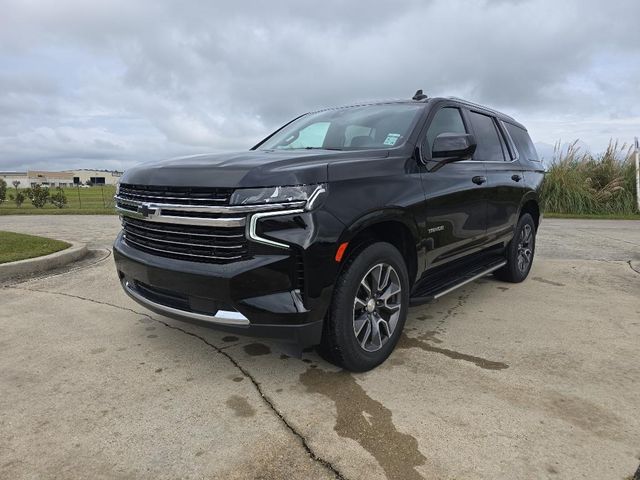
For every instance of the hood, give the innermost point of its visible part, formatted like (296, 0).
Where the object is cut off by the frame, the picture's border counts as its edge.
(255, 168)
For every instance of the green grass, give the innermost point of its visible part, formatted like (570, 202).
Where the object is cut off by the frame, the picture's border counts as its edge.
(80, 201)
(17, 246)
(608, 216)
(579, 183)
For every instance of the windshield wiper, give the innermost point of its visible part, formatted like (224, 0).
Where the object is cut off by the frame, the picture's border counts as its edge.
(323, 148)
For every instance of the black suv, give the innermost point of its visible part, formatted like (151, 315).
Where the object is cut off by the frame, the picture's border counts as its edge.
(327, 230)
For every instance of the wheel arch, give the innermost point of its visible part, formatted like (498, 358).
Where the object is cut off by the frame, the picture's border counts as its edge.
(394, 226)
(531, 205)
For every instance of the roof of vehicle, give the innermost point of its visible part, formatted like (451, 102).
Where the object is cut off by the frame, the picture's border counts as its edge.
(466, 103)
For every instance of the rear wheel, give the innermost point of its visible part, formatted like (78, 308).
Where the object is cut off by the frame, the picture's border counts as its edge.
(520, 251)
(368, 310)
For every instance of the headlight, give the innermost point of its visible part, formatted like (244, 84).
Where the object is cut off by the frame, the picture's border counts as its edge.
(117, 188)
(311, 194)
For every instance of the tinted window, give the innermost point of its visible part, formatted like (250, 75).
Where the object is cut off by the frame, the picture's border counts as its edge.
(523, 142)
(490, 148)
(446, 120)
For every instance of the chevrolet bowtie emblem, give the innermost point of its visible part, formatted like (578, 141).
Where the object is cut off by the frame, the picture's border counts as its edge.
(144, 210)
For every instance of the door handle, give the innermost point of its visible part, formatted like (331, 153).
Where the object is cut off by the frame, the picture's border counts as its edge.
(479, 179)
(516, 178)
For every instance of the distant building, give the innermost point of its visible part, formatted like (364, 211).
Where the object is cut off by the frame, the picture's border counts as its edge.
(96, 177)
(50, 179)
(68, 178)
(11, 177)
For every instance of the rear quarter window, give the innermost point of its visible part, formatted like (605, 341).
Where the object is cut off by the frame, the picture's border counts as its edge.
(523, 142)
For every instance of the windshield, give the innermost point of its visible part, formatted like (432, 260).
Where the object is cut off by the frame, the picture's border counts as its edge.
(351, 128)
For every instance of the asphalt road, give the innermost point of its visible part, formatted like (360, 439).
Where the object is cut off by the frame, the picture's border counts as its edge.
(494, 381)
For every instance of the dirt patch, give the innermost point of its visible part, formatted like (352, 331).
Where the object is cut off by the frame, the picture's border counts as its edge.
(256, 349)
(422, 342)
(240, 406)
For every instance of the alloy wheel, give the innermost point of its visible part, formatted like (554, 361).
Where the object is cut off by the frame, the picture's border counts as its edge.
(376, 307)
(525, 248)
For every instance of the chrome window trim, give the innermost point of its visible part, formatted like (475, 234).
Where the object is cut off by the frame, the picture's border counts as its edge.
(251, 230)
(512, 144)
(221, 317)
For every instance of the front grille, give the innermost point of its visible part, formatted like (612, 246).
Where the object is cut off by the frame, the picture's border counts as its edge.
(194, 196)
(186, 242)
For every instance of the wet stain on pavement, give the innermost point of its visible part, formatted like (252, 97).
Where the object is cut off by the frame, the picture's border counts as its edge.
(152, 336)
(504, 289)
(548, 282)
(368, 422)
(238, 379)
(422, 342)
(257, 349)
(229, 338)
(240, 406)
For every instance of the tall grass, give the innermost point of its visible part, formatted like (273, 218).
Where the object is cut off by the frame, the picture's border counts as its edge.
(580, 183)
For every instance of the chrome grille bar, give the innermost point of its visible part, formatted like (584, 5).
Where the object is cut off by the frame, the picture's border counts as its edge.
(182, 243)
(210, 208)
(225, 236)
(173, 253)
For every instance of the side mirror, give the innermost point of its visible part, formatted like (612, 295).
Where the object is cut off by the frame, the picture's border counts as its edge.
(453, 147)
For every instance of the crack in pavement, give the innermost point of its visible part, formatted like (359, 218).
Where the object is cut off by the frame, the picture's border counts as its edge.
(325, 463)
(631, 267)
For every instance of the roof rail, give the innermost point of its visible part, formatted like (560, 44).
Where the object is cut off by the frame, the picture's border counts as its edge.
(477, 105)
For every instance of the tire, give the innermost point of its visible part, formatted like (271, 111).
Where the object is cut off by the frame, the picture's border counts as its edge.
(349, 339)
(519, 252)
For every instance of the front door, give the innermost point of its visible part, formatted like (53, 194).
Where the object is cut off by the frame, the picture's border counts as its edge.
(455, 196)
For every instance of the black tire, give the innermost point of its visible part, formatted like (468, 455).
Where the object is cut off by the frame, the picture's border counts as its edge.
(341, 344)
(523, 241)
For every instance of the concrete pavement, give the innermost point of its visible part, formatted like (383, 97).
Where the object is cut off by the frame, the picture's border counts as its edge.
(495, 381)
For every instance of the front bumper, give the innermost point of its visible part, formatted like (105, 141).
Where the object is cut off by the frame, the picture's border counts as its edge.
(256, 296)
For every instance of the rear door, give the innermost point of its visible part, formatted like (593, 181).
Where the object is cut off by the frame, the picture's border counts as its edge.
(455, 193)
(505, 179)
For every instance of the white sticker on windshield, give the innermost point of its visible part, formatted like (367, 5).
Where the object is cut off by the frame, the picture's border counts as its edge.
(391, 139)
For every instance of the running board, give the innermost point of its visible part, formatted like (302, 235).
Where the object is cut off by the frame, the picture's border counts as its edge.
(430, 289)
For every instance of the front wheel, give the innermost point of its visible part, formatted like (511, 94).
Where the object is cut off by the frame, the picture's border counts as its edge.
(520, 251)
(369, 308)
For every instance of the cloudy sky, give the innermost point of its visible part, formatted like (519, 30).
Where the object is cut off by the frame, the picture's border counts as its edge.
(107, 84)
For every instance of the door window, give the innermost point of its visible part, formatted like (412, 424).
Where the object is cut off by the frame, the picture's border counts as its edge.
(446, 120)
(490, 147)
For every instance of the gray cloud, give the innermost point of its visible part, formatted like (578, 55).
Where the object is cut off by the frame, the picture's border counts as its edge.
(108, 84)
